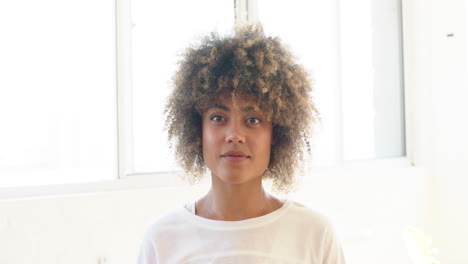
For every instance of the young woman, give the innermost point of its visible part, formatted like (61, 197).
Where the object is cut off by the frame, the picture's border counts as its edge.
(241, 108)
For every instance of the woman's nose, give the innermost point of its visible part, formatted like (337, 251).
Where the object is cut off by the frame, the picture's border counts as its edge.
(235, 134)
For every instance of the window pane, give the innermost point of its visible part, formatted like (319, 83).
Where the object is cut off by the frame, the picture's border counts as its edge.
(57, 92)
(309, 28)
(353, 52)
(162, 29)
(372, 82)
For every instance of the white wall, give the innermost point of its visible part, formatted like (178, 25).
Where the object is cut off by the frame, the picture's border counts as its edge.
(369, 206)
(437, 76)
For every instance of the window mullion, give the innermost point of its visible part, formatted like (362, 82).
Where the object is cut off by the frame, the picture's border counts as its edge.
(338, 89)
(124, 83)
(252, 11)
(241, 12)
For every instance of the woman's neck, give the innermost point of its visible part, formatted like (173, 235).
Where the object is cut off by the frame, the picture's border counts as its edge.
(234, 202)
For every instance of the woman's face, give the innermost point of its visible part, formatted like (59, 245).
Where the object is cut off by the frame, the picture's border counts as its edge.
(236, 139)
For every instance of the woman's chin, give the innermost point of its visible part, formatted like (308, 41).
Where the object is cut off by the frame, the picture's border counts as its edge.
(231, 178)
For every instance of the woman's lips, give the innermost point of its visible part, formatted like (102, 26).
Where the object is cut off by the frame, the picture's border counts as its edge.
(235, 158)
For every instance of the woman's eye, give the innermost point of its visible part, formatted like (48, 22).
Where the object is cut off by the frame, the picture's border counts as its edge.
(253, 120)
(217, 118)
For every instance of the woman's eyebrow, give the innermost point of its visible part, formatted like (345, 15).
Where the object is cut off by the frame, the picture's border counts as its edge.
(222, 107)
(225, 108)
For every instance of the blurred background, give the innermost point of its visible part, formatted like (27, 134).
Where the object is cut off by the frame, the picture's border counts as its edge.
(85, 165)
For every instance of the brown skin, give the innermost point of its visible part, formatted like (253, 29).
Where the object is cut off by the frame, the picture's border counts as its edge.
(236, 124)
(235, 203)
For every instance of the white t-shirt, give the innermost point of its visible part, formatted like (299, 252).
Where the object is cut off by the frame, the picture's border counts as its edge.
(291, 234)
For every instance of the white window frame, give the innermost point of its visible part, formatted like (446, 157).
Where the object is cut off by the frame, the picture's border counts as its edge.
(245, 12)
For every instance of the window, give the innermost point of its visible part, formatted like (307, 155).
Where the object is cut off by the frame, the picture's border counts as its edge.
(161, 31)
(57, 92)
(74, 108)
(352, 50)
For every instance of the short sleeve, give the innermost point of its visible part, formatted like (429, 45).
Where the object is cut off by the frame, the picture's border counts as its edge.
(147, 252)
(332, 250)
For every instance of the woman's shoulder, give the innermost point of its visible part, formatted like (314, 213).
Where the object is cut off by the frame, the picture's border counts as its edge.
(311, 223)
(172, 217)
(307, 215)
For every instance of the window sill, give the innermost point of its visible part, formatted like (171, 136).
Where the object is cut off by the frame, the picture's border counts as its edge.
(171, 180)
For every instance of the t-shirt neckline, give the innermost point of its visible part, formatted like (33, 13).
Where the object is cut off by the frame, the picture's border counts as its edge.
(246, 223)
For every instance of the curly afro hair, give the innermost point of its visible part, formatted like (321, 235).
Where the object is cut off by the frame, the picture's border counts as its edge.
(250, 64)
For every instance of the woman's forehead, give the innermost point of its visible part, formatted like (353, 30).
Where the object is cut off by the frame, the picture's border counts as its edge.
(234, 101)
